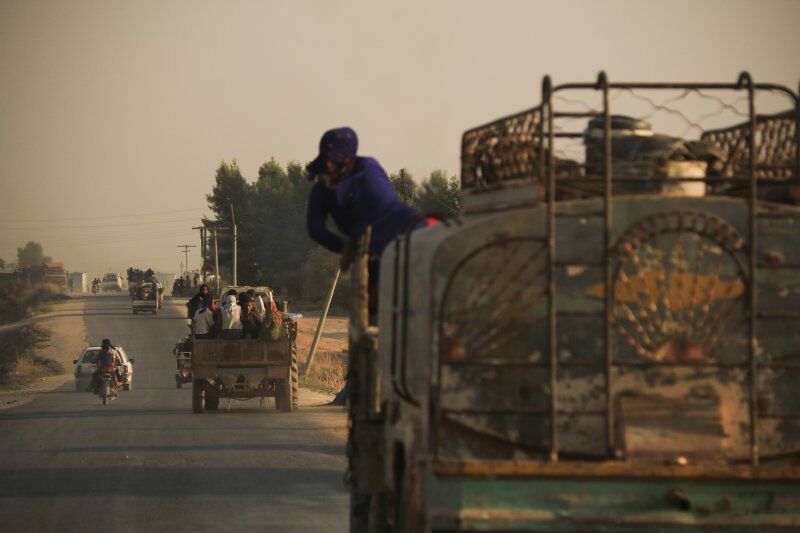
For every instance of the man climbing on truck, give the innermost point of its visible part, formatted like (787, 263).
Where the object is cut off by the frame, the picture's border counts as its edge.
(356, 193)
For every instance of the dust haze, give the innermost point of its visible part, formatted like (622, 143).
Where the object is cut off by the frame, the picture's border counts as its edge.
(116, 114)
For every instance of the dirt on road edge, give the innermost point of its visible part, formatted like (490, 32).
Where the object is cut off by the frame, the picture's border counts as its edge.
(67, 339)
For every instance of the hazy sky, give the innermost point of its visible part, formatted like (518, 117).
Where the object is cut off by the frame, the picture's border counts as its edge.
(111, 109)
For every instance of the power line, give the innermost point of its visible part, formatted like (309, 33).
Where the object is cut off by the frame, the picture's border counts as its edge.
(172, 211)
(98, 225)
(186, 252)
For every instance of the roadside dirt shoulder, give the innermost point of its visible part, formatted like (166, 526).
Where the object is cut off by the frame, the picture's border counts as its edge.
(330, 362)
(67, 338)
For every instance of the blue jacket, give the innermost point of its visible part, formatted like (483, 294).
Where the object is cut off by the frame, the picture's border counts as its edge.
(365, 198)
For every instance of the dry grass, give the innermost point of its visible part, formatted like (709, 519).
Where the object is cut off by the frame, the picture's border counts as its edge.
(330, 362)
(19, 299)
(20, 363)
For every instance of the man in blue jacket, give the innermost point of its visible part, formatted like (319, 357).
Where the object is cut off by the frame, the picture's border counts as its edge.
(355, 192)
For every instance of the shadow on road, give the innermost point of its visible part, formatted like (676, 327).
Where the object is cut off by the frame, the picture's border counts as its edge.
(95, 410)
(325, 449)
(167, 482)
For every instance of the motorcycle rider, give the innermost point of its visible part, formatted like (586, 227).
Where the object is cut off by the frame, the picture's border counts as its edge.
(107, 359)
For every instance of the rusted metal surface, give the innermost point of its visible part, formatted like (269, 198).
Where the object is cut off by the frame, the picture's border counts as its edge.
(679, 324)
(640, 323)
(208, 354)
(613, 469)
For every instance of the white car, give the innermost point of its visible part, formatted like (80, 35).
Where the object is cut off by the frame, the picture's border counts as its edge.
(111, 282)
(85, 367)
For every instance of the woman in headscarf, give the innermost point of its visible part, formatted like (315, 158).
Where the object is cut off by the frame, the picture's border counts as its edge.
(203, 319)
(231, 317)
(194, 303)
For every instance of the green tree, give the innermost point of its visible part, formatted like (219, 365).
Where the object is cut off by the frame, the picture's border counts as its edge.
(31, 255)
(404, 186)
(270, 216)
(438, 193)
(273, 243)
(318, 271)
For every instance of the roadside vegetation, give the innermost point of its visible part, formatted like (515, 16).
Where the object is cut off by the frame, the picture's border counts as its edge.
(20, 299)
(19, 363)
(273, 243)
(328, 373)
(330, 362)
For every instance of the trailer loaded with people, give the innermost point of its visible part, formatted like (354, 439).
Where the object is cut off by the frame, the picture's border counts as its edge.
(232, 360)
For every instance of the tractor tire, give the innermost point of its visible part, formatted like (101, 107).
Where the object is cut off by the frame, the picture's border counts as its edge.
(294, 377)
(198, 396)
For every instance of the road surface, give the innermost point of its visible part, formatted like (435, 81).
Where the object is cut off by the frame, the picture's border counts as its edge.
(146, 463)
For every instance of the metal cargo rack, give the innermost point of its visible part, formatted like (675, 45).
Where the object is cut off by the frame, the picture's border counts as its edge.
(762, 153)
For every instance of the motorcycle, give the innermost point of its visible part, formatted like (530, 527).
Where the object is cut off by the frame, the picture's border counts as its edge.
(107, 386)
(95, 289)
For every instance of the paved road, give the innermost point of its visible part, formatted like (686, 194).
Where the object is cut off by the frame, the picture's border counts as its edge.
(146, 463)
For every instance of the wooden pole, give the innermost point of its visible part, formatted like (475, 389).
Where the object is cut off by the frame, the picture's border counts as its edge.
(320, 324)
(216, 262)
(235, 251)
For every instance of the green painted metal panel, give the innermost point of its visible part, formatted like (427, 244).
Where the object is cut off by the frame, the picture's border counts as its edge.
(560, 504)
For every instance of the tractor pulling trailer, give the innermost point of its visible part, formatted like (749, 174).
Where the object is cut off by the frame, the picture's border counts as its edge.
(243, 369)
(605, 338)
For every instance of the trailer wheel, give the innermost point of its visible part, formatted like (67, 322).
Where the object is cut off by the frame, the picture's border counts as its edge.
(212, 402)
(283, 400)
(198, 396)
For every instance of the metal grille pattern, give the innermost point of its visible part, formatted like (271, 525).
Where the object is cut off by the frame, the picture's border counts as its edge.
(777, 147)
(491, 302)
(503, 150)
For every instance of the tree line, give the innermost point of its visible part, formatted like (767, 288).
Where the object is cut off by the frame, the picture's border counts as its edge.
(30, 255)
(270, 212)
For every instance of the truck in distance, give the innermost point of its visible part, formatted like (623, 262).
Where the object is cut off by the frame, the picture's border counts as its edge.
(56, 274)
(111, 282)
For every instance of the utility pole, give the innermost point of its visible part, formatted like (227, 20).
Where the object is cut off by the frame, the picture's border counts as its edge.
(214, 229)
(186, 252)
(321, 324)
(203, 245)
(216, 261)
(235, 250)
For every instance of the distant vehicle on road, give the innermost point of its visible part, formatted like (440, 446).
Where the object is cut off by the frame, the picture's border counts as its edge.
(146, 298)
(55, 274)
(85, 367)
(112, 282)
